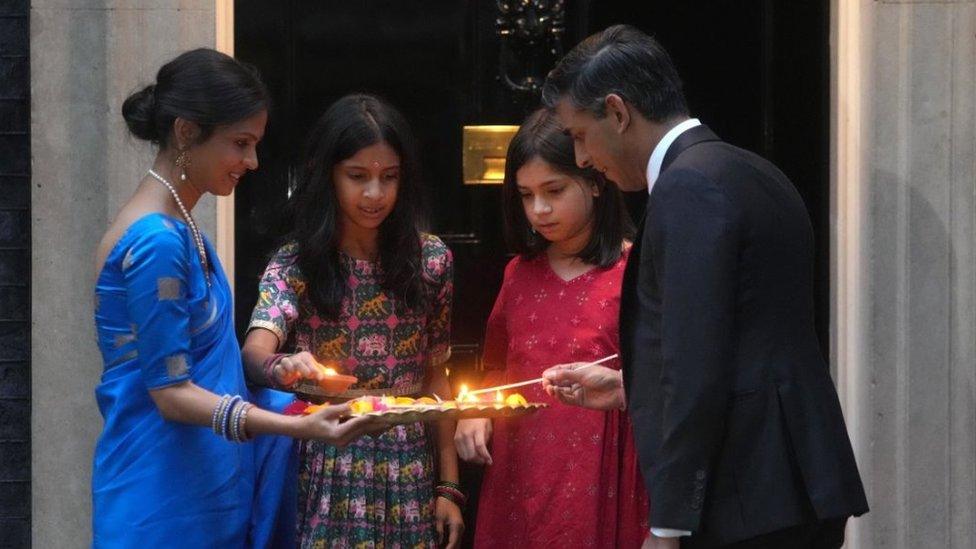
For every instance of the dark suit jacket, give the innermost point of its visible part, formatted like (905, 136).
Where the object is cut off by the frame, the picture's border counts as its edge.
(737, 422)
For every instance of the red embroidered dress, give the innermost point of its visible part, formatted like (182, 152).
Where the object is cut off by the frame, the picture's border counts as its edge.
(564, 476)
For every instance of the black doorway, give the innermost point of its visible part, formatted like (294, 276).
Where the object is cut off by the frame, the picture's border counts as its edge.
(756, 71)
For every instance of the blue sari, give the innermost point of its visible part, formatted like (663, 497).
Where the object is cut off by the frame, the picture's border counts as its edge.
(160, 482)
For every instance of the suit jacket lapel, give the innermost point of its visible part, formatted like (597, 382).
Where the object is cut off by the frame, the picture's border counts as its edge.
(628, 295)
(694, 136)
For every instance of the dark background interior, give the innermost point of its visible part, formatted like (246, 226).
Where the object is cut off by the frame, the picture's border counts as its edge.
(755, 71)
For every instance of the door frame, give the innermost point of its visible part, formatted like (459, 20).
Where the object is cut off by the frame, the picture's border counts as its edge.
(224, 42)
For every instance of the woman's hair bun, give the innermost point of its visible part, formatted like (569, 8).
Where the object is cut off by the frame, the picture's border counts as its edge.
(139, 111)
(202, 86)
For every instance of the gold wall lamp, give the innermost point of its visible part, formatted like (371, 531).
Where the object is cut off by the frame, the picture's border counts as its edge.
(483, 153)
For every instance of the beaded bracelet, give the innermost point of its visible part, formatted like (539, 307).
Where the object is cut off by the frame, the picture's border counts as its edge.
(450, 484)
(229, 419)
(216, 412)
(451, 491)
(235, 422)
(453, 499)
(268, 367)
(226, 424)
(220, 414)
(242, 423)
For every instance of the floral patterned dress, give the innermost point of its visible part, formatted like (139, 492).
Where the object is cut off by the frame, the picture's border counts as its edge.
(376, 492)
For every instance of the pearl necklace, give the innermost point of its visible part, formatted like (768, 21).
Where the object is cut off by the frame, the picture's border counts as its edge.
(197, 237)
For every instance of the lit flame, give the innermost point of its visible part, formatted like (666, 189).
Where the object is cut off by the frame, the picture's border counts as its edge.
(465, 396)
(330, 372)
(499, 398)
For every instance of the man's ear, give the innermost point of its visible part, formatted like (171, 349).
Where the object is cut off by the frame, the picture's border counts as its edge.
(618, 109)
(186, 132)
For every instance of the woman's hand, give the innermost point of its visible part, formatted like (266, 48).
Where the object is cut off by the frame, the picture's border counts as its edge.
(326, 425)
(447, 516)
(292, 368)
(471, 440)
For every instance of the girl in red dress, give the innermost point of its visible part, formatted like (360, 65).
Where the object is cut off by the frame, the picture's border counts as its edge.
(564, 476)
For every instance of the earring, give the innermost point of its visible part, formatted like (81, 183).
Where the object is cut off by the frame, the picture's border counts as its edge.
(182, 161)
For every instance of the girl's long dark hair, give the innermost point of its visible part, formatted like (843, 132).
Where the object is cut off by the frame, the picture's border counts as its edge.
(541, 136)
(349, 125)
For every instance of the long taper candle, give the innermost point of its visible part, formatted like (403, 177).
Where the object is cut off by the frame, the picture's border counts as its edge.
(539, 380)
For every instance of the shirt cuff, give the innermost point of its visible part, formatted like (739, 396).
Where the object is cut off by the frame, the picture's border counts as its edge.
(669, 532)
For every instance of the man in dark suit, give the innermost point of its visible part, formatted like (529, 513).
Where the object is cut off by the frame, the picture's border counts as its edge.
(737, 422)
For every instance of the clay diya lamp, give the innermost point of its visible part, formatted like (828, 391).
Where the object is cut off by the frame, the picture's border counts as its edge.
(333, 382)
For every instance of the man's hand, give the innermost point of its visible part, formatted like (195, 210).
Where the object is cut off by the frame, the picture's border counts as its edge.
(654, 542)
(594, 387)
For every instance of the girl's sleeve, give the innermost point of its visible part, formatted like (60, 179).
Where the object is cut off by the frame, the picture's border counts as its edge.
(155, 270)
(278, 294)
(439, 270)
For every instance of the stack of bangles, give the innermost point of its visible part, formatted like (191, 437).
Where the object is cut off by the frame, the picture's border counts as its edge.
(230, 418)
(451, 491)
(269, 366)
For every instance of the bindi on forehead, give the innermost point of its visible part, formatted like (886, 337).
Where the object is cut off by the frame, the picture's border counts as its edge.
(371, 164)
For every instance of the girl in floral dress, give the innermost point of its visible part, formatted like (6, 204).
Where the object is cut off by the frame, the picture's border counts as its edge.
(562, 477)
(357, 284)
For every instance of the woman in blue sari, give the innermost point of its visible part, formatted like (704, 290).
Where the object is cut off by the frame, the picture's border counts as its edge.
(170, 468)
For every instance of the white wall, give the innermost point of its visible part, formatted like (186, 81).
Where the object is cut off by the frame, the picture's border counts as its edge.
(904, 266)
(86, 57)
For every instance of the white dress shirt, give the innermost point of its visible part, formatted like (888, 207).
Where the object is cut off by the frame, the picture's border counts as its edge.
(653, 171)
(661, 150)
